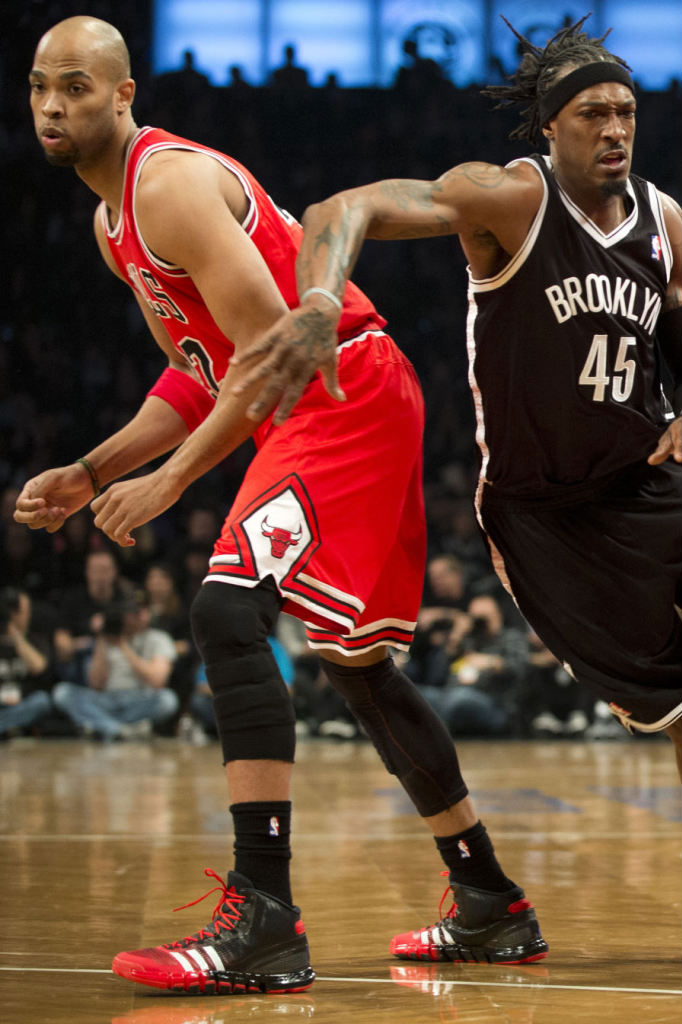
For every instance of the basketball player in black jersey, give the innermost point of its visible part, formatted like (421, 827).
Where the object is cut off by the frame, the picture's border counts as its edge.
(575, 285)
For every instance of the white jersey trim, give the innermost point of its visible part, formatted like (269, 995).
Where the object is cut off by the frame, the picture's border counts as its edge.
(657, 211)
(249, 223)
(487, 284)
(613, 237)
(342, 621)
(472, 313)
(326, 588)
(626, 719)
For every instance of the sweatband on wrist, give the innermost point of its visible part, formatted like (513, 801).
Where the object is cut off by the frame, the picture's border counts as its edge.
(322, 291)
(92, 473)
(575, 81)
(185, 394)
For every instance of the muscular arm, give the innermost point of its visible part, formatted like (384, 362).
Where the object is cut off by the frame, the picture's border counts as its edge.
(491, 209)
(188, 208)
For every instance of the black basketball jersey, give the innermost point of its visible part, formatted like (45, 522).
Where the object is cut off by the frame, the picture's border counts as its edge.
(562, 358)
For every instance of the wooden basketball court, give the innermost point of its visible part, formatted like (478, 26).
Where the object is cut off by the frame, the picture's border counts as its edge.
(98, 844)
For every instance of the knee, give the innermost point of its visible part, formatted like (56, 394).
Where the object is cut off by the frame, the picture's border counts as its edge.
(61, 694)
(167, 704)
(229, 618)
(41, 701)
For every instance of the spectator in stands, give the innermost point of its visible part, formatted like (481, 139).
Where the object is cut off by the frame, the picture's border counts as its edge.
(555, 705)
(82, 611)
(24, 665)
(290, 76)
(169, 612)
(127, 676)
(482, 665)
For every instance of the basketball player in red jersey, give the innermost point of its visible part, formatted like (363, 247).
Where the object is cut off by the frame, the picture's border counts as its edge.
(211, 261)
(575, 285)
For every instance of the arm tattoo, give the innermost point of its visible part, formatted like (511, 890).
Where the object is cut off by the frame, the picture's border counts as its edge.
(314, 335)
(340, 260)
(406, 194)
(486, 176)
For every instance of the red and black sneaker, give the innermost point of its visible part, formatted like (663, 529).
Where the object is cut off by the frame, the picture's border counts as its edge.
(254, 943)
(479, 927)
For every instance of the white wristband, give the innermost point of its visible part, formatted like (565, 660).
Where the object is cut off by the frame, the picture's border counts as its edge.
(322, 291)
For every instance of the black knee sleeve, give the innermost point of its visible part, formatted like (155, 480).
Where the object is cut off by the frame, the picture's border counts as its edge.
(253, 710)
(413, 742)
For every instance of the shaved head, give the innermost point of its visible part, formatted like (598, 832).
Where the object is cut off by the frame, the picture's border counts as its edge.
(82, 93)
(100, 40)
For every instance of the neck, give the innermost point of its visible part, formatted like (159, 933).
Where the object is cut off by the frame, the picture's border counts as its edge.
(105, 174)
(605, 207)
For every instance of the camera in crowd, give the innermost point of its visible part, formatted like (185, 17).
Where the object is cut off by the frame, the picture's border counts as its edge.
(117, 613)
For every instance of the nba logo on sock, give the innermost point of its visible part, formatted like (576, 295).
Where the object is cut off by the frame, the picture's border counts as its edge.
(274, 826)
(463, 848)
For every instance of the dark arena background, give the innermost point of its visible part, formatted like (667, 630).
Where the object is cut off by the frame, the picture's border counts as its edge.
(99, 841)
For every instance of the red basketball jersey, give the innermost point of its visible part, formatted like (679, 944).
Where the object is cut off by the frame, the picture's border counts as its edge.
(170, 292)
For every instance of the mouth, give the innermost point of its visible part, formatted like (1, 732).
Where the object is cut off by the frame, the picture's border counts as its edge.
(51, 136)
(614, 160)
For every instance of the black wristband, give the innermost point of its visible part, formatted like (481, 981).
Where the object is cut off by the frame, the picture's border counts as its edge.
(92, 474)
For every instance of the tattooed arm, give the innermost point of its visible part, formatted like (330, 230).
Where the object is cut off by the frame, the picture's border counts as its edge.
(489, 207)
(669, 335)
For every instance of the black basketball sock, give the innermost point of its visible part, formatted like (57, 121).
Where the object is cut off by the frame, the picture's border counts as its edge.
(470, 859)
(261, 845)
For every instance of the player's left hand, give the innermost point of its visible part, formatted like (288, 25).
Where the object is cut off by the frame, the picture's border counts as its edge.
(131, 503)
(302, 342)
(669, 444)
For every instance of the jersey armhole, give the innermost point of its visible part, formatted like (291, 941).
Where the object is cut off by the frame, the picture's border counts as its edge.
(487, 284)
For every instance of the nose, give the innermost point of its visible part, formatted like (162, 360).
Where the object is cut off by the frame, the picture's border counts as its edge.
(51, 105)
(614, 127)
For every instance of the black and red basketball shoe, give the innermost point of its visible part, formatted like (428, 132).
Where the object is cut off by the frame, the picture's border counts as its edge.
(479, 927)
(254, 943)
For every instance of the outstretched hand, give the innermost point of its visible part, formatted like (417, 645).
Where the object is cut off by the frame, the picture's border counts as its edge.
(669, 444)
(48, 499)
(302, 342)
(131, 503)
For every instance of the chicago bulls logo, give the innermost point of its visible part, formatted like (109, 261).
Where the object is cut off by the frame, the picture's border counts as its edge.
(280, 539)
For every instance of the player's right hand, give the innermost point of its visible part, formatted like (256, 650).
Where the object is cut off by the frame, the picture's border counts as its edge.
(287, 357)
(48, 499)
(669, 444)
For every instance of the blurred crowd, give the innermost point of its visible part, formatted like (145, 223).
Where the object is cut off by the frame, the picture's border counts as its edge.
(75, 363)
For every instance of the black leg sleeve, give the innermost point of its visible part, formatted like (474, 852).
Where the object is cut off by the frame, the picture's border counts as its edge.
(413, 742)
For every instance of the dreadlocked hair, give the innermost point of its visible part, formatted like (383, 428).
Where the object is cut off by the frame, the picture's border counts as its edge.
(538, 71)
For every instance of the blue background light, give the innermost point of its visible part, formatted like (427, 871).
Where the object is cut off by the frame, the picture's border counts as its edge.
(361, 40)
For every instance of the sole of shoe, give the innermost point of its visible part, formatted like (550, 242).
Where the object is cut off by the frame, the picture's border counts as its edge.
(215, 983)
(536, 950)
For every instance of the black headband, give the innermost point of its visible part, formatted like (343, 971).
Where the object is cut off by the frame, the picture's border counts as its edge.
(575, 81)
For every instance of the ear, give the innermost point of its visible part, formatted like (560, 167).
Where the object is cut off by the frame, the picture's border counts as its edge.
(125, 93)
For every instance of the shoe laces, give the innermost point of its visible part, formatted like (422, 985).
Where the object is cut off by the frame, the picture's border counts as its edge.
(225, 914)
(452, 912)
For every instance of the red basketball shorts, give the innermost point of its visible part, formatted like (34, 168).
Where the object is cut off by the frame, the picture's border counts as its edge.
(332, 505)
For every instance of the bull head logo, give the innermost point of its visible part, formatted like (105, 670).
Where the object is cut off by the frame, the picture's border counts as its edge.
(280, 539)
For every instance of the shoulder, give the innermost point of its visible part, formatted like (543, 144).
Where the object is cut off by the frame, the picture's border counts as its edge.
(192, 174)
(672, 214)
(183, 194)
(523, 176)
(157, 642)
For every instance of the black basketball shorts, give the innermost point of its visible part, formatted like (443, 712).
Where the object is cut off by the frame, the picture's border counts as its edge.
(600, 581)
